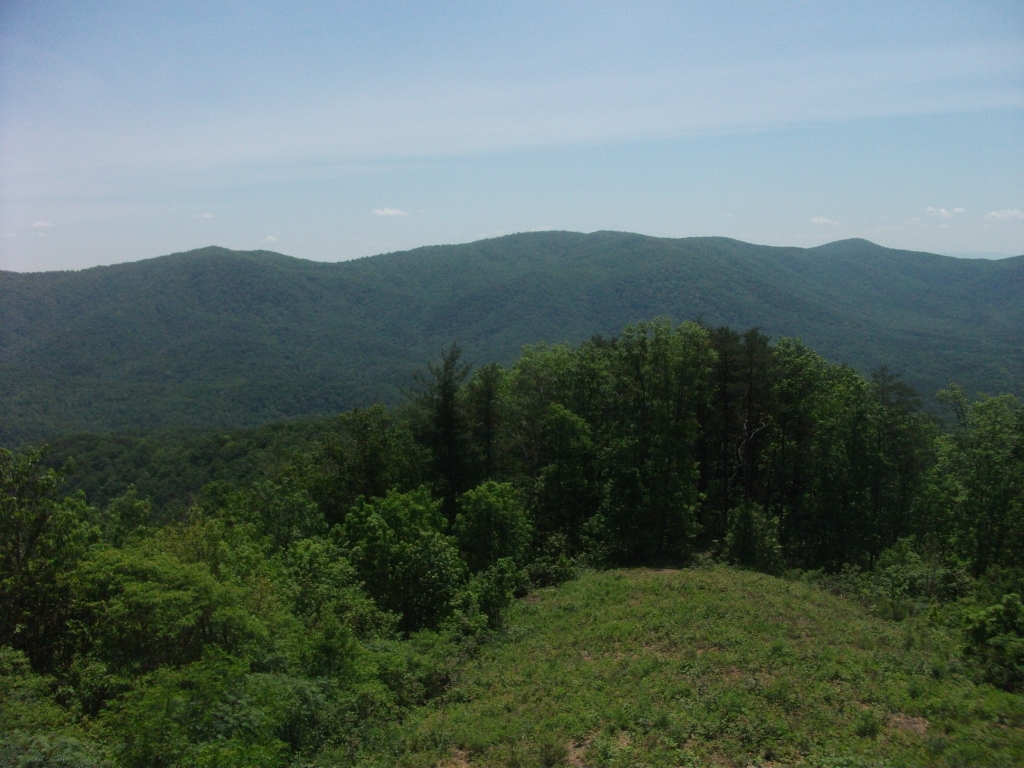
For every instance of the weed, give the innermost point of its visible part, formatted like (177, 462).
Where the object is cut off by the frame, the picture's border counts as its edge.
(552, 751)
(867, 725)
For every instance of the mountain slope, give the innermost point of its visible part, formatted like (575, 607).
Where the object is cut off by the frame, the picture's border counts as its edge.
(219, 337)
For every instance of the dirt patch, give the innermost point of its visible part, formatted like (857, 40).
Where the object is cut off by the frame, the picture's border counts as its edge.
(623, 739)
(909, 724)
(458, 759)
(577, 750)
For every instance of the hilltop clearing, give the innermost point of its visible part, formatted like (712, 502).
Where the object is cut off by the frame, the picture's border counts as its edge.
(710, 666)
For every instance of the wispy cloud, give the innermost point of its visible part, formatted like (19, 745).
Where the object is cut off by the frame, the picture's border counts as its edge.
(42, 224)
(269, 239)
(389, 212)
(945, 213)
(9, 235)
(204, 216)
(823, 220)
(1007, 215)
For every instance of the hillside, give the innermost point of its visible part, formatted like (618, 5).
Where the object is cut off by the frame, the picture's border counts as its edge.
(709, 667)
(224, 338)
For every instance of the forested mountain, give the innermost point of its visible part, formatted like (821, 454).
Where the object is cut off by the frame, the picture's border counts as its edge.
(226, 338)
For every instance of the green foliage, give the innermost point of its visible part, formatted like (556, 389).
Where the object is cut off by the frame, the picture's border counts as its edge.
(492, 590)
(442, 427)
(492, 524)
(651, 498)
(125, 517)
(369, 454)
(974, 498)
(42, 538)
(206, 713)
(753, 539)
(904, 583)
(996, 643)
(226, 339)
(282, 510)
(711, 666)
(146, 609)
(408, 565)
(36, 732)
(326, 580)
(170, 467)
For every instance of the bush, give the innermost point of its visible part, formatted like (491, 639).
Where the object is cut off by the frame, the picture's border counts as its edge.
(491, 525)
(552, 565)
(903, 583)
(36, 732)
(495, 589)
(407, 564)
(144, 609)
(753, 539)
(867, 725)
(552, 751)
(995, 642)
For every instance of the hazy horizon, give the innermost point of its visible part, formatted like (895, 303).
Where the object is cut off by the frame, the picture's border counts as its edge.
(991, 256)
(338, 131)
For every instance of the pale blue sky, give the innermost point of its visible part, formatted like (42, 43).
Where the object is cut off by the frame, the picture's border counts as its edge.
(335, 130)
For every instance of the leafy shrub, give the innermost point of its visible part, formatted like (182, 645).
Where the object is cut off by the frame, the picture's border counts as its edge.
(866, 724)
(491, 525)
(35, 732)
(552, 565)
(995, 642)
(332, 605)
(495, 588)
(407, 564)
(753, 539)
(552, 751)
(198, 714)
(902, 574)
(903, 583)
(146, 609)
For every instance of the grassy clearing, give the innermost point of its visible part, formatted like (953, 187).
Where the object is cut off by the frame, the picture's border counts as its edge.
(710, 667)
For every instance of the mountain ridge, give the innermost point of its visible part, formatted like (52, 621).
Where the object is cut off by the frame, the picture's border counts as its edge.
(236, 338)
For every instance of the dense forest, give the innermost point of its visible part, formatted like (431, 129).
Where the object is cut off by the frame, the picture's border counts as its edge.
(237, 339)
(307, 586)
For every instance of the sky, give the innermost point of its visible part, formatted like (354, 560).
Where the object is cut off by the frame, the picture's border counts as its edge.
(332, 131)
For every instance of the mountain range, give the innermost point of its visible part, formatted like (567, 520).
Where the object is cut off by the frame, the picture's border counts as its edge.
(215, 337)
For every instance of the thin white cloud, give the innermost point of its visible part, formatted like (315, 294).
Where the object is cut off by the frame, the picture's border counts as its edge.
(1007, 215)
(204, 216)
(823, 220)
(389, 212)
(945, 213)
(269, 239)
(42, 224)
(9, 235)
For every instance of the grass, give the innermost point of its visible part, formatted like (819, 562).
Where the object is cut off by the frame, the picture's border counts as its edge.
(710, 666)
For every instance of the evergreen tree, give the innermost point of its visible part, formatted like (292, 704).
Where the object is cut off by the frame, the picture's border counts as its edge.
(443, 428)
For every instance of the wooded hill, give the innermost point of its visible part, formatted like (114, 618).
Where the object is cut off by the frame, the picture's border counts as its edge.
(227, 338)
